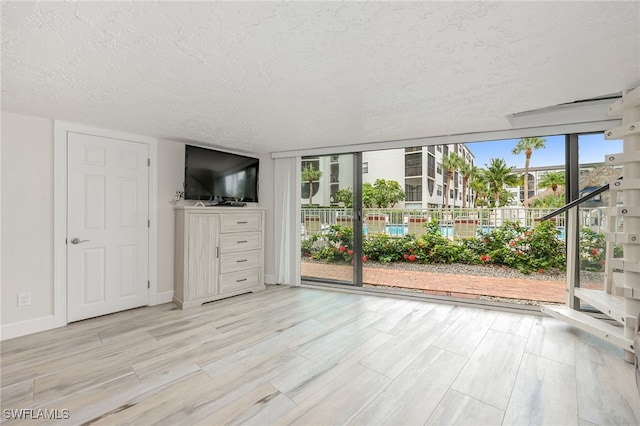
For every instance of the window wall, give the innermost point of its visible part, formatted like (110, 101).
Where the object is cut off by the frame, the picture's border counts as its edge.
(358, 231)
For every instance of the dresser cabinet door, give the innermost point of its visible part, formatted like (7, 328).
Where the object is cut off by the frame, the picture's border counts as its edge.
(202, 256)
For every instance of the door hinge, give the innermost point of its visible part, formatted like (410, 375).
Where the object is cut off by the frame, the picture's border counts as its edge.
(148, 284)
(148, 162)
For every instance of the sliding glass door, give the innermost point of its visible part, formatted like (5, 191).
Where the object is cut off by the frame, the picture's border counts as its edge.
(328, 244)
(457, 220)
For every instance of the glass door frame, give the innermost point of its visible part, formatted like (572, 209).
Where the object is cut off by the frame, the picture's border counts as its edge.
(572, 193)
(357, 274)
(357, 219)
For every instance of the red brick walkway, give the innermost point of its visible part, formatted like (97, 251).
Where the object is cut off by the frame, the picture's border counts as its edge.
(467, 286)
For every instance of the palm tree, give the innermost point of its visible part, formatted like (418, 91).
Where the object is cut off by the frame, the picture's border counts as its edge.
(552, 180)
(451, 163)
(527, 145)
(310, 174)
(479, 186)
(467, 171)
(499, 175)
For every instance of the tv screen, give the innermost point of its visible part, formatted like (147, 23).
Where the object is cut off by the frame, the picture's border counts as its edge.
(217, 175)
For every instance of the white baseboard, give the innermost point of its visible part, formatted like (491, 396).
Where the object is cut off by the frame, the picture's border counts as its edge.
(269, 279)
(164, 297)
(22, 328)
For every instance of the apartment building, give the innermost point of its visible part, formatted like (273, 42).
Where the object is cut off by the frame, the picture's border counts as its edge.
(419, 170)
(592, 176)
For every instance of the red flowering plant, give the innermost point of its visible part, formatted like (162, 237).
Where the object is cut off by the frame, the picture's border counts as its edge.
(592, 248)
(341, 237)
(527, 250)
(310, 245)
(411, 251)
(500, 243)
(334, 245)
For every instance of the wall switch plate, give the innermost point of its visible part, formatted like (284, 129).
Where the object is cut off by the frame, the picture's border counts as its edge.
(24, 299)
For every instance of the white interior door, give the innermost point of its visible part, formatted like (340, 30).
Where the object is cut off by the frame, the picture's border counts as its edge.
(107, 225)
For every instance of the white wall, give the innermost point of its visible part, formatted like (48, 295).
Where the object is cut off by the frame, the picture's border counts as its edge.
(27, 216)
(27, 219)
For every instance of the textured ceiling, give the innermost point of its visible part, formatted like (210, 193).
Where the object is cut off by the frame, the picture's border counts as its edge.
(274, 76)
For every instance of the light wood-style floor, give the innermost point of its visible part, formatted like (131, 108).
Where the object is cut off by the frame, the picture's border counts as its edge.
(312, 356)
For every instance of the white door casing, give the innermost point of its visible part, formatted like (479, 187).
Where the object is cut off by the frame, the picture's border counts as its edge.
(60, 188)
(108, 212)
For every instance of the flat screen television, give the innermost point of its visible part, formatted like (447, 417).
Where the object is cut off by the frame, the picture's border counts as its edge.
(211, 175)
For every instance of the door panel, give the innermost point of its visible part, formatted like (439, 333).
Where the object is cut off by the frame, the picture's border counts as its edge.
(203, 247)
(128, 271)
(107, 212)
(93, 277)
(327, 239)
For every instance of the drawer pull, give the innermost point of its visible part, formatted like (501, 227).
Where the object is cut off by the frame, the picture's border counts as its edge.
(242, 223)
(239, 281)
(242, 242)
(241, 260)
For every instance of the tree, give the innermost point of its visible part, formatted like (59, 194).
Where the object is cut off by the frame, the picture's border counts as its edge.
(551, 201)
(310, 174)
(552, 180)
(499, 175)
(480, 188)
(368, 195)
(527, 145)
(467, 171)
(387, 193)
(345, 195)
(451, 163)
(506, 197)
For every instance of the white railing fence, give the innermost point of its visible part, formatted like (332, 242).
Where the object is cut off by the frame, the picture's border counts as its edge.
(397, 221)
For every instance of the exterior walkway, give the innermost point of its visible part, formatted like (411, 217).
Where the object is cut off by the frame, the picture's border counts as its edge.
(466, 286)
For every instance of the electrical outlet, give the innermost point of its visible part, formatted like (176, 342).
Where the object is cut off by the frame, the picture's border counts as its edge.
(24, 299)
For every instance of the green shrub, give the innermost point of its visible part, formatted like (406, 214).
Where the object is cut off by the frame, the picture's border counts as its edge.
(383, 248)
(525, 249)
(510, 244)
(334, 246)
(308, 245)
(545, 249)
(436, 248)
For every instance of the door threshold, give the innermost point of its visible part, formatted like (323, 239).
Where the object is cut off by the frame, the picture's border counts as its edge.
(449, 300)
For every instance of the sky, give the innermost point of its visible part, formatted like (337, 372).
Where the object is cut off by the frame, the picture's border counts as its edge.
(592, 149)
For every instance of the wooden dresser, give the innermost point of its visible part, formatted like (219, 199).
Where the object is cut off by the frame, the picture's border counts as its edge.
(219, 252)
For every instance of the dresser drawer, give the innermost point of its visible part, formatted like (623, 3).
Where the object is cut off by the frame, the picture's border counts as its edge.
(240, 241)
(231, 262)
(241, 222)
(239, 280)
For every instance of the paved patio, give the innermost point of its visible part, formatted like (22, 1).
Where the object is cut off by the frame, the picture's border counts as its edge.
(466, 286)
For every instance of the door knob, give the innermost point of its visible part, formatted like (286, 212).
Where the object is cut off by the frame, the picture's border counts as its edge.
(77, 241)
